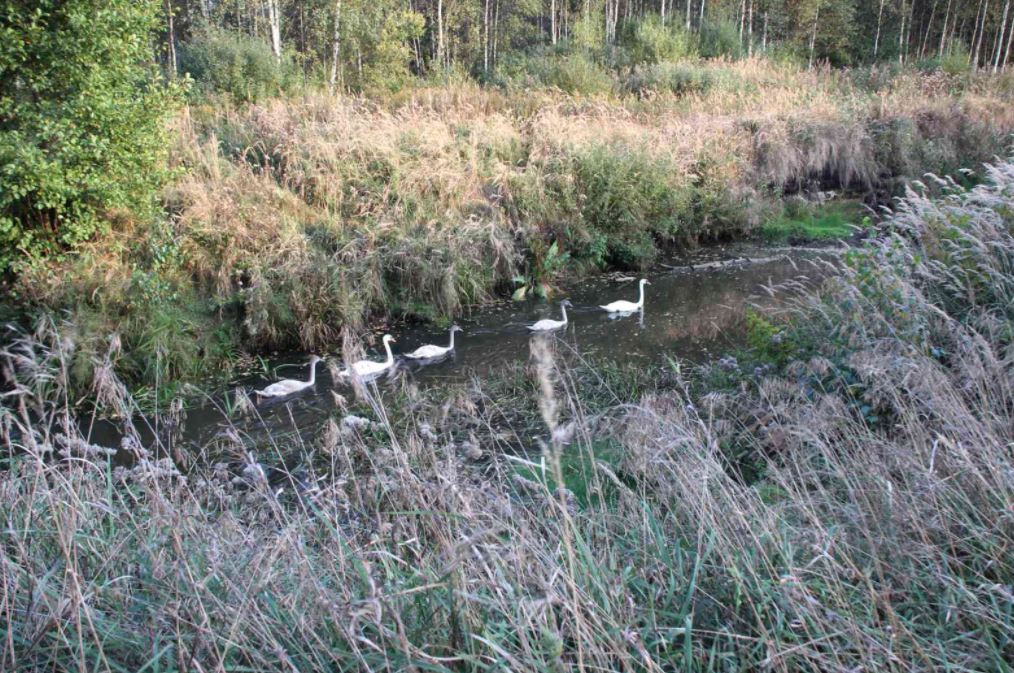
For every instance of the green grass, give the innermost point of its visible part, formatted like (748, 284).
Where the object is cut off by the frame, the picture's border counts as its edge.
(804, 222)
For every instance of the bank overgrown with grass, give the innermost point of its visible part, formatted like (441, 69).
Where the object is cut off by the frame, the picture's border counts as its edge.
(839, 497)
(294, 221)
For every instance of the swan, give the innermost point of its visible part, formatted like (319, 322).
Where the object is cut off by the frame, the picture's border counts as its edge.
(289, 386)
(365, 368)
(547, 324)
(429, 351)
(623, 306)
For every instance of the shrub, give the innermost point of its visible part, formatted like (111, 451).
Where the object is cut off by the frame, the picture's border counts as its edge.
(83, 122)
(681, 80)
(720, 39)
(648, 41)
(575, 73)
(236, 64)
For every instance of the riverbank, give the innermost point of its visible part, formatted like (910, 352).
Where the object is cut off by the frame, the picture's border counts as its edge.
(294, 222)
(838, 496)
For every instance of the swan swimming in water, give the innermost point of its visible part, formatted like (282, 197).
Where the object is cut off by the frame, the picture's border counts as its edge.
(429, 351)
(289, 386)
(623, 306)
(366, 368)
(546, 324)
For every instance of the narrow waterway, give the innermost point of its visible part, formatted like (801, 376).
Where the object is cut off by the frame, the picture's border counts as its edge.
(694, 310)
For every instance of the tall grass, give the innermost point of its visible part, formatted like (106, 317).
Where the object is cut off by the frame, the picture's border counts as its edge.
(873, 529)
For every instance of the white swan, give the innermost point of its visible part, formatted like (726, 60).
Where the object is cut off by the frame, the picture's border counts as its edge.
(366, 368)
(429, 351)
(623, 306)
(289, 386)
(546, 324)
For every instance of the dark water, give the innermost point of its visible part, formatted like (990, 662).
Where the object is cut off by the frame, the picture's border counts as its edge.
(694, 310)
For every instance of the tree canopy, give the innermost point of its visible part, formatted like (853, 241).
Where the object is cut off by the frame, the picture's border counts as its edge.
(82, 120)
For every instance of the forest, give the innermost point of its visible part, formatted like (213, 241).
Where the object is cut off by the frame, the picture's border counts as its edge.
(319, 348)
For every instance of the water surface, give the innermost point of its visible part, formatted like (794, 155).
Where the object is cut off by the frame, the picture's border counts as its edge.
(694, 310)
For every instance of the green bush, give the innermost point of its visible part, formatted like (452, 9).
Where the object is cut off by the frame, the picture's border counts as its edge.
(682, 80)
(573, 73)
(229, 62)
(630, 198)
(720, 39)
(83, 121)
(648, 41)
(954, 62)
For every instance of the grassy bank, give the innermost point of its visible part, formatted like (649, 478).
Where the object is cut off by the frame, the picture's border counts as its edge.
(292, 222)
(837, 499)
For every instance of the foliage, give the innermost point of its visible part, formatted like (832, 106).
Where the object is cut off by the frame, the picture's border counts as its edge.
(720, 38)
(82, 123)
(235, 64)
(802, 221)
(650, 42)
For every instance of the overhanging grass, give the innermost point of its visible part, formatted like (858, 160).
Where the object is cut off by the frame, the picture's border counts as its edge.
(819, 222)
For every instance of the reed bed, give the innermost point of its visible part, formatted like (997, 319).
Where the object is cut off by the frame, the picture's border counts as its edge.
(846, 504)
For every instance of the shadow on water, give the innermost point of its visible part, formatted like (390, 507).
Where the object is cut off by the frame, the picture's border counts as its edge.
(694, 310)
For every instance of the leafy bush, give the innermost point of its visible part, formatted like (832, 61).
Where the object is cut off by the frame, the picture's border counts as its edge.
(720, 38)
(648, 41)
(630, 197)
(574, 73)
(954, 62)
(230, 62)
(83, 119)
(682, 80)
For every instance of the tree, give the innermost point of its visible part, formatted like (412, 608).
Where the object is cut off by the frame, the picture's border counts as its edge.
(82, 120)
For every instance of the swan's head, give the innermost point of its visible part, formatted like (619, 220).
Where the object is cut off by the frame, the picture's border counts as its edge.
(314, 359)
(457, 328)
(644, 281)
(566, 302)
(388, 339)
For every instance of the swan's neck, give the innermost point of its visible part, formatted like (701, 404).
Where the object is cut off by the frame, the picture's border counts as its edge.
(390, 355)
(313, 372)
(640, 301)
(563, 309)
(451, 346)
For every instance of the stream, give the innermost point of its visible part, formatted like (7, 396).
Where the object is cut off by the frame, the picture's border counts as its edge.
(694, 310)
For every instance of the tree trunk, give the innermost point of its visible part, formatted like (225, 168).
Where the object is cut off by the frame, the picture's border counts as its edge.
(749, 31)
(742, 20)
(171, 53)
(876, 39)
(552, 21)
(975, 33)
(485, 37)
(943, 31)
(496, 30)
(336, 46)
(440, 34)
(925, 34)
(700, 21)
(901, 36)
(999, 42)
(764, 40)
(689, 3)
(1006, 53)
(275, 26)
(813, 35)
